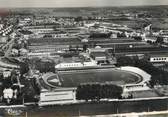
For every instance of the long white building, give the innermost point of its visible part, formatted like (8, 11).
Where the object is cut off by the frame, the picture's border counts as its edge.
(76, 64)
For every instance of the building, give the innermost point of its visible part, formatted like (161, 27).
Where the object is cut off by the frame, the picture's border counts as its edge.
(4, 31)
(159, 58)
(101, 55)
(3, 40)
(53, 44)
(152, 39)
(115, 42)
(6, 74)
(38, 29)
(75, 62)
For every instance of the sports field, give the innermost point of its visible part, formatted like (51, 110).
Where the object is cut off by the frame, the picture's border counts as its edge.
(74, 78)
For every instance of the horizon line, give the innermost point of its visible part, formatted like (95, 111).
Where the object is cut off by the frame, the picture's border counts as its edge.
(119, 6)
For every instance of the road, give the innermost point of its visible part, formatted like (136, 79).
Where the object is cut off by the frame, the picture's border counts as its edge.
(96, 108)
(8, 43)
(6, 65)
(7, 48)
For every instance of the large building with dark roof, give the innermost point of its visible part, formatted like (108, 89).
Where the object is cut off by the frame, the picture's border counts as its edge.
(53, 44)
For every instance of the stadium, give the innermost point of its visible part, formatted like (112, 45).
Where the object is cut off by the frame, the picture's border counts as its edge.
(60, 87)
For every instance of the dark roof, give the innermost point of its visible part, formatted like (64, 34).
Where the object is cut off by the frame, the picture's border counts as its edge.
(25, 32)
(98, 54)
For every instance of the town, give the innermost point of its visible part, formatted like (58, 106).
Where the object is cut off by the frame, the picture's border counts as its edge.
(73, 56)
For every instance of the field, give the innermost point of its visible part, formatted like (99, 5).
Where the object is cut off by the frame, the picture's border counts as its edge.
(74, 78)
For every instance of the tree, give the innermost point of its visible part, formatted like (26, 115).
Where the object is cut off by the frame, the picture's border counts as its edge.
(42, 65)
(24, 67)
(7, 82)
(139, 38)
(79, 18)
(28, 91)
(70, 47)
(125, 61)
(97, 91)
(85, 47)
(121, 35)
(13, 76)
(159, 40)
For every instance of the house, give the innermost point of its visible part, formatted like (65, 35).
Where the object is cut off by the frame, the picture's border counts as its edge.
(6, 74)
(150, 39)
(159, 58)
(100, 57)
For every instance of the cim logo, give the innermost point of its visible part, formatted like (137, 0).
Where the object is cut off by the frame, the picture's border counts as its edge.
(14, 112)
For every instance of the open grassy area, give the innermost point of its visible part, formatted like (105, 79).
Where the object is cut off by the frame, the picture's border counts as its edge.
(73, 79)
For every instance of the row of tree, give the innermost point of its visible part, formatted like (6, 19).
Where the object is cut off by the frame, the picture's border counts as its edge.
(98, 91)
(30, 91)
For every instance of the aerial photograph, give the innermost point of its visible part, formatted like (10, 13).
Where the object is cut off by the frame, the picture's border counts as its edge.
(83, 58)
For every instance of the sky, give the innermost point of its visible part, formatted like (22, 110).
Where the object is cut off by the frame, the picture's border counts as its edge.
(78, 3)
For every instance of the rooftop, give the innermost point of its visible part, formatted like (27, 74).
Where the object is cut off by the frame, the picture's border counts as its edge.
(54, 40)
(98, 54)
(73, 59)
(25, 32)
(159, 55)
